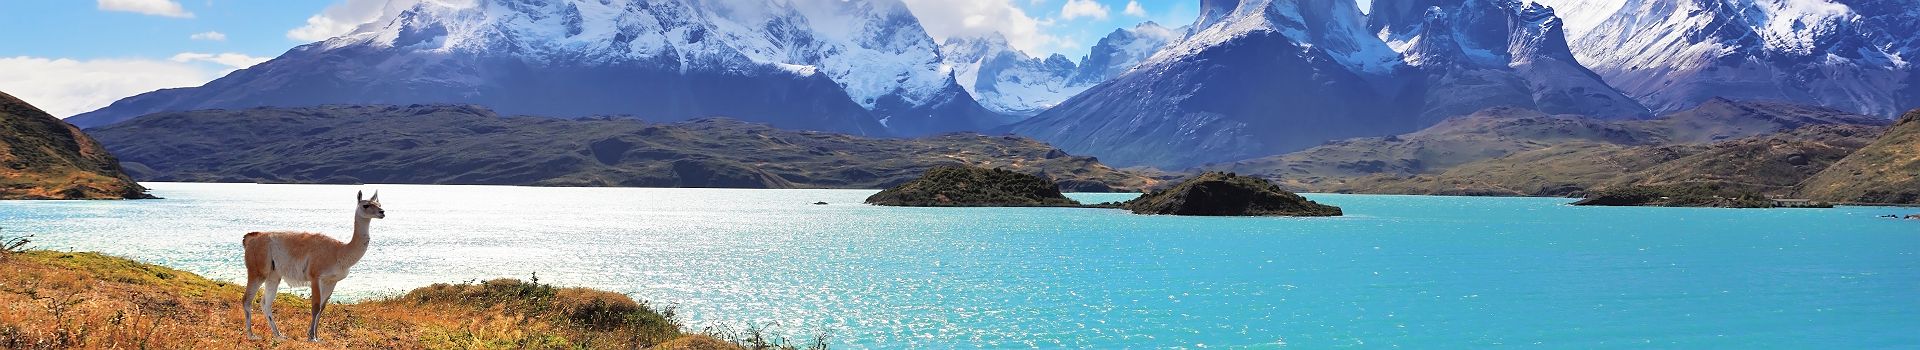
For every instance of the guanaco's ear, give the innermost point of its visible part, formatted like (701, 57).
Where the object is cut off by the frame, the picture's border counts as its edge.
(376, 197)
(359, 195)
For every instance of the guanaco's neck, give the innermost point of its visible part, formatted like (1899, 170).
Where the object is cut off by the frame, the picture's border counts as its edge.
(358, 246)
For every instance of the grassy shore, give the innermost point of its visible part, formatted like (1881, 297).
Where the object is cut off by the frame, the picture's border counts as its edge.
(62, 300)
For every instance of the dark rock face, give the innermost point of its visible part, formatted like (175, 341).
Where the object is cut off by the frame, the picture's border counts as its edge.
(963, 186)
(1678, 195)
(42, 157)
(1227, 194)
(442, 144)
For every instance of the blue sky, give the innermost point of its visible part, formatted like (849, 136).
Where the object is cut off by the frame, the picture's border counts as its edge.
(72, 56)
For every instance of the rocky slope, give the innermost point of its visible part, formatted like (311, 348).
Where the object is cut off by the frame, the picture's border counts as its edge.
(862, 67)
(1886, 171)
(42, 157)
(442, 144)
(1227, 194)
(1770, 164)
(965, 186)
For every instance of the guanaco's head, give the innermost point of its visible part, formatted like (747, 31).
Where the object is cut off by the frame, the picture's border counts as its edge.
(369, 208)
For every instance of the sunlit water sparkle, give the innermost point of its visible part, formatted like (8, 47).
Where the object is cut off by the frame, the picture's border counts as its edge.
(1398, 271)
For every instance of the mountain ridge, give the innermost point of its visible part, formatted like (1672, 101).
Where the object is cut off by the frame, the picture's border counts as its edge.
(465, 144)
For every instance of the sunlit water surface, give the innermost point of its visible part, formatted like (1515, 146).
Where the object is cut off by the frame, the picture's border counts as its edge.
(1398, 271)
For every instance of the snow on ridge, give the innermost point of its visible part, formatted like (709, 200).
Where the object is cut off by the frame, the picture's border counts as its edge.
(1336, 27)
(873, 48)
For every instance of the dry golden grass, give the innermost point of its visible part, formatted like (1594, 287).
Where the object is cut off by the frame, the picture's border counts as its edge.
(58, 300)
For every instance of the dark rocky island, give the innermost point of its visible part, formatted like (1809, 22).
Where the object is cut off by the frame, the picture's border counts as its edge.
(1227, 194)
(42, 157)
(965, 186)
(1684, 195)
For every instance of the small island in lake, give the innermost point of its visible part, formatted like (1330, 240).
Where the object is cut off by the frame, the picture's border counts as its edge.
(966, 186)
(1690, 195)
(1227, 194)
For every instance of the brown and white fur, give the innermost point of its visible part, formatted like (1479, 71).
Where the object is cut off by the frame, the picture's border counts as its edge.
(303, 259)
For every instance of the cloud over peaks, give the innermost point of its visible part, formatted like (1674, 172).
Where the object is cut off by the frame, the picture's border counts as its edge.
(164, 8)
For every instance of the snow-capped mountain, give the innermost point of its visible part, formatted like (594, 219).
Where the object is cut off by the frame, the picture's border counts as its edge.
(1122, 50)
(1481, 53)
(878, 51)
(1006, 80)
(854, 66)
(1855, 55)
(1249, 78)
(1009, 81)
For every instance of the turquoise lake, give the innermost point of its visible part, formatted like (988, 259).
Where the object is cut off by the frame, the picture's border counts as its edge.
(1397, 272)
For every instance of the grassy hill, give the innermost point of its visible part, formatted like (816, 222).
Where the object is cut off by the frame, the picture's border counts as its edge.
(60, 300)
(1748, 146)
(439, 144)
(1886, 171)
(42, 157)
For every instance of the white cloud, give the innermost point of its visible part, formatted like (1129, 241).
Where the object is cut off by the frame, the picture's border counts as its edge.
(342, 17)
(1134, 9)
(64, 87)
(210, 36)
(1084, 8)
(166, 8)
(949, 18)
(231, 60)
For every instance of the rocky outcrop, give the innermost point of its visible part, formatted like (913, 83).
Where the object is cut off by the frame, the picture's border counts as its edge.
(961, 186)
(1227, 194)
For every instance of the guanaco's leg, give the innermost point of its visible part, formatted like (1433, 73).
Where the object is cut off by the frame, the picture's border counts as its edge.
(266, 307)
(246, 304)
(321, 292)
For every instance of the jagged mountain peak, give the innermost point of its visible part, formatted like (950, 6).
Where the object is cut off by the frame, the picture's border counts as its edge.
(1335, 27)
(1851, 54)
(1009, 81)
(1122, 50)
(1481, 53)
